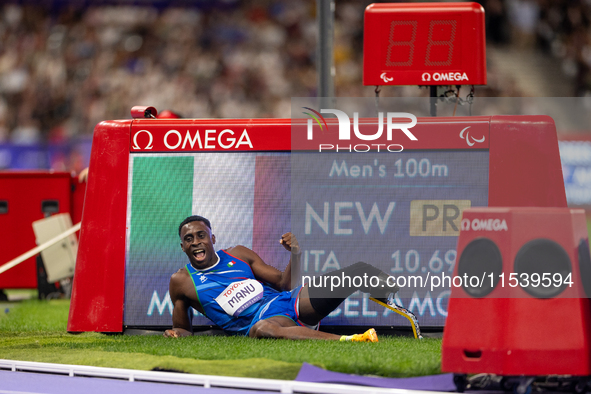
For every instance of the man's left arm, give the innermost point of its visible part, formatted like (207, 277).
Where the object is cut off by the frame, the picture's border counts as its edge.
(290, 243)
(266, 273)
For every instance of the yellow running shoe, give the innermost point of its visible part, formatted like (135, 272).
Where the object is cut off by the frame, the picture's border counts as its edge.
(368, 336)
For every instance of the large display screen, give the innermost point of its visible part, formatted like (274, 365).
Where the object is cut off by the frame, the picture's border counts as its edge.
(351, 187)
(399, 212)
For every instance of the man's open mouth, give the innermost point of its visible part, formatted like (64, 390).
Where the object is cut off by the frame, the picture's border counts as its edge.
(199, 253)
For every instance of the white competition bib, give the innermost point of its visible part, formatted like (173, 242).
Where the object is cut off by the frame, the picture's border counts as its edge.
(240, 295)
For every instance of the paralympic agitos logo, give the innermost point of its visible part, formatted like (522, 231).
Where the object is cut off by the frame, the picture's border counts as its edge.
(344, 133)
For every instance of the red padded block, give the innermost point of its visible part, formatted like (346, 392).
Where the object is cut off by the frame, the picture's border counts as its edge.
(510, 332)
(24, 192)
(78, 194)
(524, 156)
(98, 291)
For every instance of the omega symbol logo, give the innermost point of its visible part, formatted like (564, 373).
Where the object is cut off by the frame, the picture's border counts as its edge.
(469, 139)
(136, 146)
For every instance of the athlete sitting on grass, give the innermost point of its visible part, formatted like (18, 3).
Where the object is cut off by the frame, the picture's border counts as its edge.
(243, 295)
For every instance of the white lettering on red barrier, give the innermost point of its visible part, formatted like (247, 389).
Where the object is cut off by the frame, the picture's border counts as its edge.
(192, 140)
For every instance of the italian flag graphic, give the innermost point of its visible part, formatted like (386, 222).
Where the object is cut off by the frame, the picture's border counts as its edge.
(246, 196)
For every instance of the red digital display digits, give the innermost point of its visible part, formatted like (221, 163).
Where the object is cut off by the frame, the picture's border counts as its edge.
(424, 44)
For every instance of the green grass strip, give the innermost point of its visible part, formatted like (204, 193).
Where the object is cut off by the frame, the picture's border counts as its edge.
(35, 331)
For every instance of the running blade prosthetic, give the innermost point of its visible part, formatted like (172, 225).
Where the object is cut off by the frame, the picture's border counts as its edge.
(402, 311)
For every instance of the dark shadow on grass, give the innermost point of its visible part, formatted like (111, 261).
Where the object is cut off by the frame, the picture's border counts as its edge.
(160, 369)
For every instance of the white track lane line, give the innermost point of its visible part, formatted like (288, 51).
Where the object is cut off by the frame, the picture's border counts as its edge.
(206, 381)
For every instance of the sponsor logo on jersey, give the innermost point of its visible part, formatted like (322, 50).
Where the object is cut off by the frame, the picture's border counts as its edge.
(238, 296)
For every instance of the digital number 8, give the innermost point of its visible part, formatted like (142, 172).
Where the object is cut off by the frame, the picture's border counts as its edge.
(449, 43)
(394, 43)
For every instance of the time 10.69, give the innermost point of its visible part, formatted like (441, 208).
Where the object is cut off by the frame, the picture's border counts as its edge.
(411, 261)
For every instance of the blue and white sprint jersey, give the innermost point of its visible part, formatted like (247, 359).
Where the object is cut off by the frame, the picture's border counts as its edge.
(234, 299)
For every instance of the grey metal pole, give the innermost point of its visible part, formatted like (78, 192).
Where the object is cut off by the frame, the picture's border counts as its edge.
(324, 52)
(433, 100)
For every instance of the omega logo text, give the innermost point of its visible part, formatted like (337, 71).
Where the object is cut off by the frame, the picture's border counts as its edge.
(450, 76)
(484, 225)
(192, 140)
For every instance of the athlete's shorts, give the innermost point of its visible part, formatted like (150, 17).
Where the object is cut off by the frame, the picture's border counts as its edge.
(285, 304)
